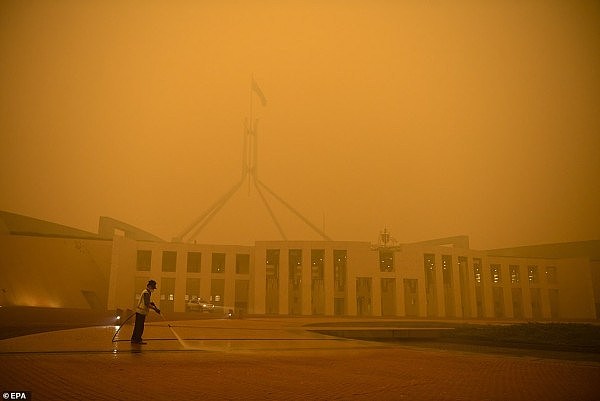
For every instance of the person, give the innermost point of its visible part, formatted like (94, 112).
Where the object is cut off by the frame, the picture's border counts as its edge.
(143, 307)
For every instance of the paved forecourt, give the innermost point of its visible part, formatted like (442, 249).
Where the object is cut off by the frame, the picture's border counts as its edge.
(272, 359)
(219, 335)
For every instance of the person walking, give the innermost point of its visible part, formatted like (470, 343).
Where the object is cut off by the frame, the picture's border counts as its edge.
(143, 307)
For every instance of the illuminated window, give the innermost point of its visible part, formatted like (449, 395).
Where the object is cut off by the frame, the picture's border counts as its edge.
(295, 281)
(192, 292)
(514, 274)
(217, 289)
(429, 261)
(218, 263)
(339, 269)
(295, 267)
(495, 273)
(386, 261)
(167, 293)
(477, 270)
(429, 268)
(551, 275)
(447, 270)
(532, 274)
(317, 262)
(272, 263)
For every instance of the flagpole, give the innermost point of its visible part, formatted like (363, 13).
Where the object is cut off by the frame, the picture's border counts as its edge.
(249, 168)
(250, 133)
(251, 81)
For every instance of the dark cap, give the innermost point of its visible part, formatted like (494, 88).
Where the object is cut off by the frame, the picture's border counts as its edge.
(152, 284)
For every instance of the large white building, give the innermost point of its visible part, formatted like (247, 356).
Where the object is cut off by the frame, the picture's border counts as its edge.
(46, 264)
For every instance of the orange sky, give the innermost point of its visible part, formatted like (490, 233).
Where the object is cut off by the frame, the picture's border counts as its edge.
(432, 118)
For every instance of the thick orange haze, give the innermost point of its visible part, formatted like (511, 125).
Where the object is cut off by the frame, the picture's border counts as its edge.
(433, 118)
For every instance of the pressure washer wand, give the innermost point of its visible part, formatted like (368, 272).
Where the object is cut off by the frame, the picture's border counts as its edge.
(164, 318)
(181, 341)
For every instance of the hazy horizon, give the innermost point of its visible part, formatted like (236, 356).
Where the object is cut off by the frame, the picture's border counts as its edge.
(432, 119)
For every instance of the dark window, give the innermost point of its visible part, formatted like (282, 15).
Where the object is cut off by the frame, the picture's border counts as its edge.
(194, 260)
(242, 263)
(144, 260)
(169, 261)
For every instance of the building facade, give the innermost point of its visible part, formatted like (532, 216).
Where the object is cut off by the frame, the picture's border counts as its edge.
(45, 264)
(436, 279)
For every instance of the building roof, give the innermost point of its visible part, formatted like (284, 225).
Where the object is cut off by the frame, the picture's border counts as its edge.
(586, 249)
(16, 224)
(108, 225)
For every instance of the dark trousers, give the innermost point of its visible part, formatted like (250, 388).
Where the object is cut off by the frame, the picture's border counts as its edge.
(138, 329)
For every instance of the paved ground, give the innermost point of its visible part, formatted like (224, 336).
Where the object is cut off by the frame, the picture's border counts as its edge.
(273, 359)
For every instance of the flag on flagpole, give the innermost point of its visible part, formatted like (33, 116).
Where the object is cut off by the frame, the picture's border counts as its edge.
(261, 95)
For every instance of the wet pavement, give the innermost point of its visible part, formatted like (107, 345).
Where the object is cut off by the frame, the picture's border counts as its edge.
(277, 359)
(218, 335)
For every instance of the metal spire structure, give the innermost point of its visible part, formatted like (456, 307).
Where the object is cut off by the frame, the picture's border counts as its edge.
(249, 172)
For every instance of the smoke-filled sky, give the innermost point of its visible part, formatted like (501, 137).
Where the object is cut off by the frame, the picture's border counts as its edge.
(430, 118)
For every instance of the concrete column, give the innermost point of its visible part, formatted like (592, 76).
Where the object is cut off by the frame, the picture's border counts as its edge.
(526, 291)
(229, 301)
(180, 279)
(376, 295)
(472, 287)
(488, 295)
(456, 287)
(124, 264)
(260, 279)
(506, 291)
(306, 282)
(353, 264)
(115, 273)
(422, 294)
(205, 274)
(328, 282)
(400, 310)
(544, 297)
(284, 272)
(156, 264)
(439, 286)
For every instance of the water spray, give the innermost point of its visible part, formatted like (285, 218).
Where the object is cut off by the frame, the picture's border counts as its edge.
(174, 333)
(161, 315)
